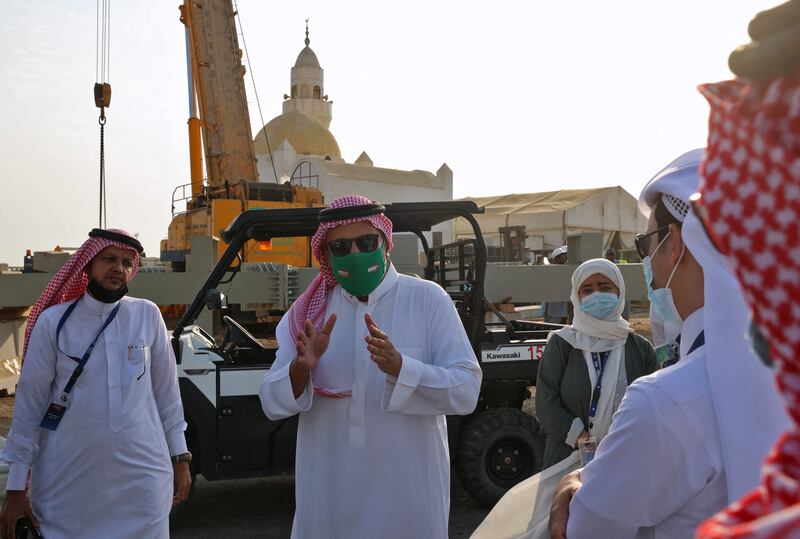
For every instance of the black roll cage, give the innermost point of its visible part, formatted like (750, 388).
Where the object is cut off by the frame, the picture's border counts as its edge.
(414, 217)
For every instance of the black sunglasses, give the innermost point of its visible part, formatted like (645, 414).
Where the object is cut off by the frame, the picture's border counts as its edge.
(365, 244)
(642, 241)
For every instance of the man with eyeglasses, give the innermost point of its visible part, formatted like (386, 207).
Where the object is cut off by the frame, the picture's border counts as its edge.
(661, 469)
(372, 361)
(98, 411)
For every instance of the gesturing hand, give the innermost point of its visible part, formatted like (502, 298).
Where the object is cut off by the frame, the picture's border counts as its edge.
(773, 51)
(559, 511)
(381, 349)
(311, 344)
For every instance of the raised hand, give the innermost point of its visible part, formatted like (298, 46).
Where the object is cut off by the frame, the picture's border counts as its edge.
(381, 349)
(775, 47)
(310, 345)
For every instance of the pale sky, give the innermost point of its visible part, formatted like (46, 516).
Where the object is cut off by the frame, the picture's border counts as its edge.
(513, 96)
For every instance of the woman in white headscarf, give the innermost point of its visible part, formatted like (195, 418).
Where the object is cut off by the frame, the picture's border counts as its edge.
(599, 345)
(565, 388)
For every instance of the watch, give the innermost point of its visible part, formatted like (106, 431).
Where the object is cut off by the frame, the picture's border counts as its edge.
(183, 457)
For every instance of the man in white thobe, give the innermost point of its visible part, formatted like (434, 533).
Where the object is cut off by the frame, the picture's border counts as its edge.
(687, 439)
(94, 455)
(372, 386)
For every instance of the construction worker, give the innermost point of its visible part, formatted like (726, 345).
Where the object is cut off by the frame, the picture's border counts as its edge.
(557, 312)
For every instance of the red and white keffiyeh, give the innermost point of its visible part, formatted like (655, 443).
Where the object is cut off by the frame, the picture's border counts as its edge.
(751, 197)
(312, 303)
(71, 280)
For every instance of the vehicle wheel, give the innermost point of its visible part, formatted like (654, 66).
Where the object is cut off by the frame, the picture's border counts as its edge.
(497, 449)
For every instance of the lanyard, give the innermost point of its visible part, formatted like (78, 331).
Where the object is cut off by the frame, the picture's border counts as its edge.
(83, 359)
(599, 360)
(698, 342)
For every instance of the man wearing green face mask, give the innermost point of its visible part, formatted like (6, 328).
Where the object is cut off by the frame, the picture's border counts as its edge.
(372, 361)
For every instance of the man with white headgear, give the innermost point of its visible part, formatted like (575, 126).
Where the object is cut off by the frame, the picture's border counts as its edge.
(372, 361)
(557, 312)
(687, 439)
(98, 412)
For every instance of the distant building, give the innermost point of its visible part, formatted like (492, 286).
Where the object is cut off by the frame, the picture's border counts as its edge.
(305, 152)
(550, 217)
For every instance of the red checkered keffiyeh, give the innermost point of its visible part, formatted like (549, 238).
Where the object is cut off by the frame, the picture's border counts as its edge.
(751, 193)
(312, 303)
(71, 280)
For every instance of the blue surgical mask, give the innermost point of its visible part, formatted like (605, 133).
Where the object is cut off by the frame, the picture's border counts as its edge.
(600, 305)
(661, 298)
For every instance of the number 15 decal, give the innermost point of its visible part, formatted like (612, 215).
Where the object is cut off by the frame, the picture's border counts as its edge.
(536, 351)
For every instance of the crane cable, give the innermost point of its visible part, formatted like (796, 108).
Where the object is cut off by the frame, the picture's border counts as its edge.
(102, 92)
(255, 89)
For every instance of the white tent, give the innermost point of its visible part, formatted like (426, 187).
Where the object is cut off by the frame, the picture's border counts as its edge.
(552, 216)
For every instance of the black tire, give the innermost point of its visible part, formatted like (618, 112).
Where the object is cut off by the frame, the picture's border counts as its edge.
(497, 449)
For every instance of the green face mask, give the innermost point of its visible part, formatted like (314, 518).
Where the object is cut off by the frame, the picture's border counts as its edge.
(360, 273)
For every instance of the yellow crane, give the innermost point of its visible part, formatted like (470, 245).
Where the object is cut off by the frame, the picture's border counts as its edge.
(222, 134)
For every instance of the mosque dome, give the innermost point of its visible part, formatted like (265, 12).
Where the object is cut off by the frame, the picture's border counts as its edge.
(306, 135)
(307, 58)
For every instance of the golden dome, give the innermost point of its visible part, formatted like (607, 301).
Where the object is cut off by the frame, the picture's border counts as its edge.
(307, 58)
(306, 135)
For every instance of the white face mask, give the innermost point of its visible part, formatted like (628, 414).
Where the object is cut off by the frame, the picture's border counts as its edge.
(664, 315)
(665, 344)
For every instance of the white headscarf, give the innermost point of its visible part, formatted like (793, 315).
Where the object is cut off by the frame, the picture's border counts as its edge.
(587, 332)
(750, 415)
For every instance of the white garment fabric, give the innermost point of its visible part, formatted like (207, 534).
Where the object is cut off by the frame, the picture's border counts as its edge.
(660, 470)
(376, 464)
(750, 412)
(614, 376)
(105, 473)
(523, 512)
(679, 179)
(587, 332)
(613, 386)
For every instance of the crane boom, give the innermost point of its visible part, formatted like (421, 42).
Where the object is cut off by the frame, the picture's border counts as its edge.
(218, 76)
(222, 119)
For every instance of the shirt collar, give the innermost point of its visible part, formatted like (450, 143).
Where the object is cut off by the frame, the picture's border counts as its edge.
(690, 329)
(96, 306)
(388, 282)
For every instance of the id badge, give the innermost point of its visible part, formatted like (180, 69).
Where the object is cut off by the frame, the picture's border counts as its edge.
(52, 417)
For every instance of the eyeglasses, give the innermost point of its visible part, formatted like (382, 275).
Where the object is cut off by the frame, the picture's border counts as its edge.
(365, 244)
(642, 241)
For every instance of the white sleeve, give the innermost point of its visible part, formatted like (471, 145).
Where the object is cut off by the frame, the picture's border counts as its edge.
(165, 386)
(448, 381)
(277, 396)
(642, 472)
(30, 403)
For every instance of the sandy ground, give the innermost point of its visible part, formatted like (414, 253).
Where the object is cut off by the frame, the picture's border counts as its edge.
(6, 412)
(261, 507)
